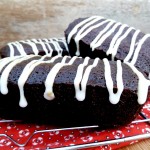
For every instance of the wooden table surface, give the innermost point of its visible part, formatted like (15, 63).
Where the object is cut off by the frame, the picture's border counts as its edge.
(25, 19)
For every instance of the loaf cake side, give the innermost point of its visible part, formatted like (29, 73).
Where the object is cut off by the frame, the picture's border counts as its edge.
(51, 46)
(97, 36)
(70, 91)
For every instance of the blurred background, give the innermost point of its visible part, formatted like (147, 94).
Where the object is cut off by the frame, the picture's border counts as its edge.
(25, 19)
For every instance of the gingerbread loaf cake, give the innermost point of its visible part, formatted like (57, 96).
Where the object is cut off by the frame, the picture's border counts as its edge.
(52, 47)
(71, 91)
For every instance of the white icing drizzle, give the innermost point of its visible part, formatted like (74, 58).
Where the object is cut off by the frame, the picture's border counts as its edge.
(6, 61)
(64, 43)
(48, 94)
(114, 52)
(82, 32)
(50, 48)
(143, 84)
(138, 48)
(101, 33)
(83, 78)
(33, 46)
(74, 30)
(114, 39)
(57, 47)
(18, 46)
(78, 79)
(115, 48)
(104, 37)
(25, 74)
(6, 72)
(131, 51)
(84, 27)
(91, 23)
(55, 44)
(113, 97)
(43, 42)
(12, 51)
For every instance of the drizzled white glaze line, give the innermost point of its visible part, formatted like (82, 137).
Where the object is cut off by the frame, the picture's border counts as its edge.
(63, 40)
(65, 44)
(74, 30)
(46, 40)
(55, 43)
(51, 50)
(33, 43)
(113, 97)
(114, 39)
(101, 33)
(25, 75)
(143, 84)
(42, 44)
(48, 94)
(19, 48)
(81, 93)
(85, 30)
(6, 61)
(138, 48)
(33, 46)
(115, 42)
(78, 79)
(104, 37)
(6, 72)
(57, 47)
(12, 51)
(115, 48)
(132, 45)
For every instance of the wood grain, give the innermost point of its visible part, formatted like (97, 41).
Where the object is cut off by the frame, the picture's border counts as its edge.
(143, 145)
(25, 19)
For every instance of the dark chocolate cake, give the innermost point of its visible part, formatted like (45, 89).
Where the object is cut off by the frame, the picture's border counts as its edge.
(77, 91)
(52, 47)
(71, 91)
(105, 38)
